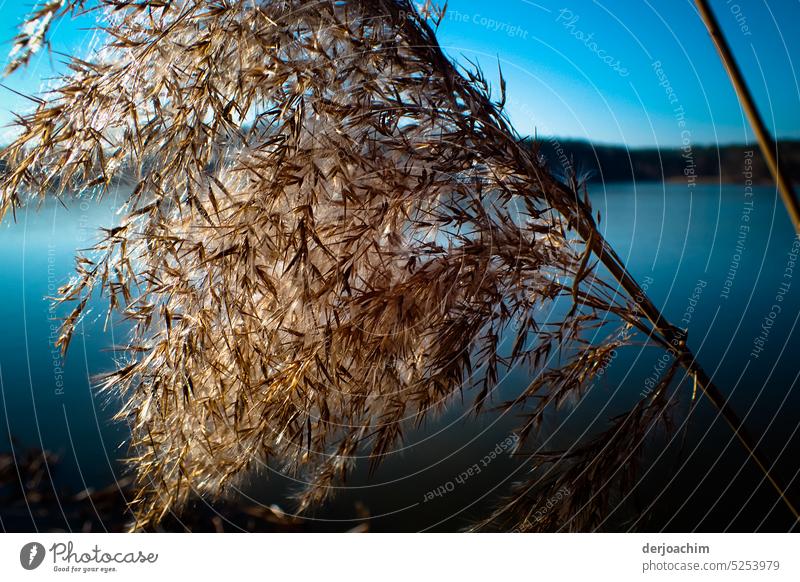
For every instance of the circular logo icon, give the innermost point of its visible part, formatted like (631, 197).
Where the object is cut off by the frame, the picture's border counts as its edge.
(31, 555)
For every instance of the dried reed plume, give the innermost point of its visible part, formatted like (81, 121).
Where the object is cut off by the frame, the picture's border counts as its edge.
(332, 227)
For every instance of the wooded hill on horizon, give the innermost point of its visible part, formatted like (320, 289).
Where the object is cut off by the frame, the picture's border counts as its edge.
(597, 163)
(708, 163)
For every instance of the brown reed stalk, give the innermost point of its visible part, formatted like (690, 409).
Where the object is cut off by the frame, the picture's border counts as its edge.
(330, 230)
(768, 146)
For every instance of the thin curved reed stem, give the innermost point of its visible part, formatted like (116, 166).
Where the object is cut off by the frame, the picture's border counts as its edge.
(768, 146)
(675, 341)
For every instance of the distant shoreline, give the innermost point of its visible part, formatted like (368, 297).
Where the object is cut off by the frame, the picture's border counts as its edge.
(705, 164)
(678, 181)
(729, 164)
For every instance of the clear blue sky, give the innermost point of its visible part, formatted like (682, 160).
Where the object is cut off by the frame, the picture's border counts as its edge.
(587, 69)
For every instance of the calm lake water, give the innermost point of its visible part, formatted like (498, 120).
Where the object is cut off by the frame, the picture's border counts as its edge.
(680, 242)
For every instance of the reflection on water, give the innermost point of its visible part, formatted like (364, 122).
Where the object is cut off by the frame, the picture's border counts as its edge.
(712, 261)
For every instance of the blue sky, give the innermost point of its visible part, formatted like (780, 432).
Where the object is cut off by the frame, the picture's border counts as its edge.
(613, 71)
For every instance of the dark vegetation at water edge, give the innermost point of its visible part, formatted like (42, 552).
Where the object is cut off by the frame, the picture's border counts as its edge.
(31, 499)
(618, 163)
(707, 163)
